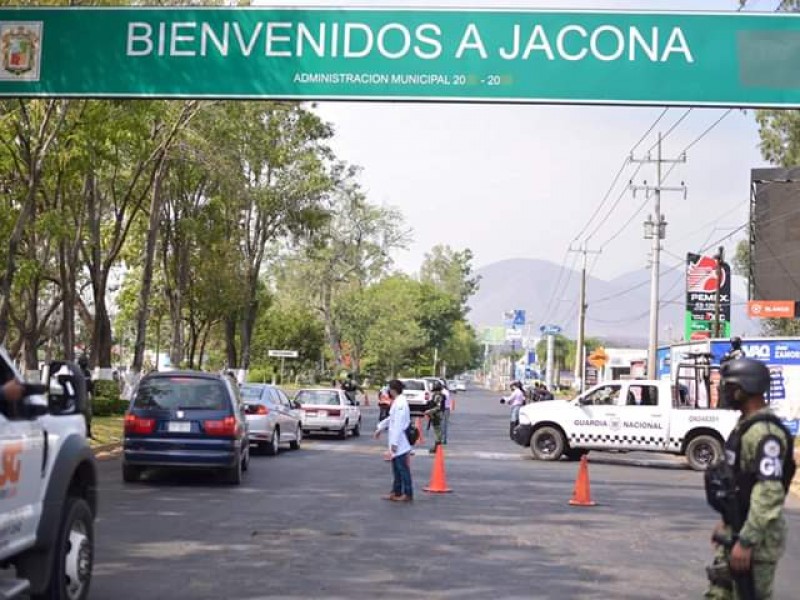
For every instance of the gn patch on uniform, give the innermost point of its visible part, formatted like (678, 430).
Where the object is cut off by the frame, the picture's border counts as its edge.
(770, 459)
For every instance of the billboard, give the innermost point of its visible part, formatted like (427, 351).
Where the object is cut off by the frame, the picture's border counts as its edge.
(701, 295)
(775, 234)
(782, 356)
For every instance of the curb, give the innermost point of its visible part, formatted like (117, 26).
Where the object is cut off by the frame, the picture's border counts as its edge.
(107, 451)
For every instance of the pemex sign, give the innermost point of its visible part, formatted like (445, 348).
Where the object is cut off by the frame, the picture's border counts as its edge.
(714, 59)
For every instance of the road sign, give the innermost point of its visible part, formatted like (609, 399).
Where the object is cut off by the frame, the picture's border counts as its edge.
(598, 358)
(282, 353)
(519, 318)
(550, 329)
(771, 309)
(580, 57)
(513, 335)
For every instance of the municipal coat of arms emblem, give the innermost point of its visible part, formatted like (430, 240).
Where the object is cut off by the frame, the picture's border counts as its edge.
(20, 50)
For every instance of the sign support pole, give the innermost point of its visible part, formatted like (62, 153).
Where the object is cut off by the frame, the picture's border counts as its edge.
(717, 310)
(550, 349)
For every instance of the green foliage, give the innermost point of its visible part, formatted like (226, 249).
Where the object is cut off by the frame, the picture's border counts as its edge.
(106, 399)
(287, 328)
(451, 272)
(260, 375)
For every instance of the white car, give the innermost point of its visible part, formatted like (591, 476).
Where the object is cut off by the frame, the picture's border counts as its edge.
(329, 411)
(461, 385)
(418, 394)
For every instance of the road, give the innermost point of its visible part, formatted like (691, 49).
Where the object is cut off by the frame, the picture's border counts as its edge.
(312, 524)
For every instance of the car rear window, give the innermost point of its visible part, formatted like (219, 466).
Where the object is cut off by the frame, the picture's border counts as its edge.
(182, 393)
(415, 386)
(251, 393)
(318, 398)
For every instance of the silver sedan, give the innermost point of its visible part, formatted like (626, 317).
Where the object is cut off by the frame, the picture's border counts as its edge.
(272, 418)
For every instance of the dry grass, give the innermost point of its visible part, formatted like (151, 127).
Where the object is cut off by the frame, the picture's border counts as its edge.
(106, 430)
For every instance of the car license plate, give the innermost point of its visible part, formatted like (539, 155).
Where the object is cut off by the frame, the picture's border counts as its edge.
(322, 414)
(179, 427)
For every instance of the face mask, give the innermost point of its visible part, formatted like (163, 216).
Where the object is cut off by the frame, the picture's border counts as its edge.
(732, 396)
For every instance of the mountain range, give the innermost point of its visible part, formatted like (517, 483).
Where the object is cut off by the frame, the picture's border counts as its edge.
(618, 310)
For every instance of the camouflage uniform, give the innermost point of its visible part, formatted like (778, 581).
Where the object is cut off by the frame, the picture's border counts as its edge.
(436, 413)
(763, 448)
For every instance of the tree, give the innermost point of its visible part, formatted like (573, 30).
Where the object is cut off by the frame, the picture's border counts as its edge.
(351, 251)
(561, 353)
(451, 271)
(462, 351)
(288, 328)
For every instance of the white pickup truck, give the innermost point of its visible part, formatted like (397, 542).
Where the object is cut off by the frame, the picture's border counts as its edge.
(625, 415)
(48, 493)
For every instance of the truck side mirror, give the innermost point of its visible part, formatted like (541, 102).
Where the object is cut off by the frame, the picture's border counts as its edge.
(66, 386)
(583, 400)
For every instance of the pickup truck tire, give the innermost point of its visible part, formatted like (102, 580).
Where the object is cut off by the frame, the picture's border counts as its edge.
(547, 443)
(703, 451)
(74, 554)
(233, 476)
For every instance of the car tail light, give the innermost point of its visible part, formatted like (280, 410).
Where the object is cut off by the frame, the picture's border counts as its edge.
(139, 426)
(427, 396)
(334, 413)
(227, 427)
(262, 410)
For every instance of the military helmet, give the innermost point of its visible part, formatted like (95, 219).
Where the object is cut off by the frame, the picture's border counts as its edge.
(83, 361)
(749, 374)
(736, 342)
(437, 386)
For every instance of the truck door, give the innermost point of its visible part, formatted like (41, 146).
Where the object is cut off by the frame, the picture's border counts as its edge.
(644, 417)
(21, 456)
(598, 410)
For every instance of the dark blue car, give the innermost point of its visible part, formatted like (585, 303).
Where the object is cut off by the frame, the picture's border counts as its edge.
(186, 419)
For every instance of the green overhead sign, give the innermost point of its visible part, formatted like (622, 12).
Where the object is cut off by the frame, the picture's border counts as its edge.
(719, 59)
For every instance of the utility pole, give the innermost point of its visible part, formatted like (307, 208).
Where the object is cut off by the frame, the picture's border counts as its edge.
(580, 361)
(655, 230)
(717, 311)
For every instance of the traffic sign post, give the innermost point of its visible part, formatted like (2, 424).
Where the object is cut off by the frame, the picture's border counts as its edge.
(403, 54)
(283, 355)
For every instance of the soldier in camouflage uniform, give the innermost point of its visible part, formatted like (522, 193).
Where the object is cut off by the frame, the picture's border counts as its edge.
(435, 413)
(759, 453)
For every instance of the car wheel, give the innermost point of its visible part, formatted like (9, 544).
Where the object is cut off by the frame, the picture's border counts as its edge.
(246, 460)
(233, 476)
(274, 443)
(295, 443)
(343, 432)
(131, 473)
(357, 429)
(703, 451)
(547, 443)
(74, 554)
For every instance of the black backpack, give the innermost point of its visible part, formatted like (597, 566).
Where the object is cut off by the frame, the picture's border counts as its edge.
(412, 434)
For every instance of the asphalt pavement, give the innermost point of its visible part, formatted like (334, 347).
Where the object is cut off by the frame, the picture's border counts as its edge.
(312, 524)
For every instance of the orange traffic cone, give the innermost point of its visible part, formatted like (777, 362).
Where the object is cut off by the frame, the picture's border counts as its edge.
(421, 439)
(582, 495)
(438, 484)
(366, 400)
(452, 403)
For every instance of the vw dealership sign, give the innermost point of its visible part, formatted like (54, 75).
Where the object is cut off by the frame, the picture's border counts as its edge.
(718, 59)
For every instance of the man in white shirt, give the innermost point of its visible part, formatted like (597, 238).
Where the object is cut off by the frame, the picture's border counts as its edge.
(446, 415)
(396, 424)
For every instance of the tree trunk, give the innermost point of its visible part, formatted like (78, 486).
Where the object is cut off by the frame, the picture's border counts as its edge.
(68, 303)
(147, 275)
(331, 333)
(249, 319)
(201, 358)
(230, 342)
(12, 248)
(30, 332)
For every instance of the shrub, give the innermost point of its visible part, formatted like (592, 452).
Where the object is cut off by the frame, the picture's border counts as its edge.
(106, 399)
